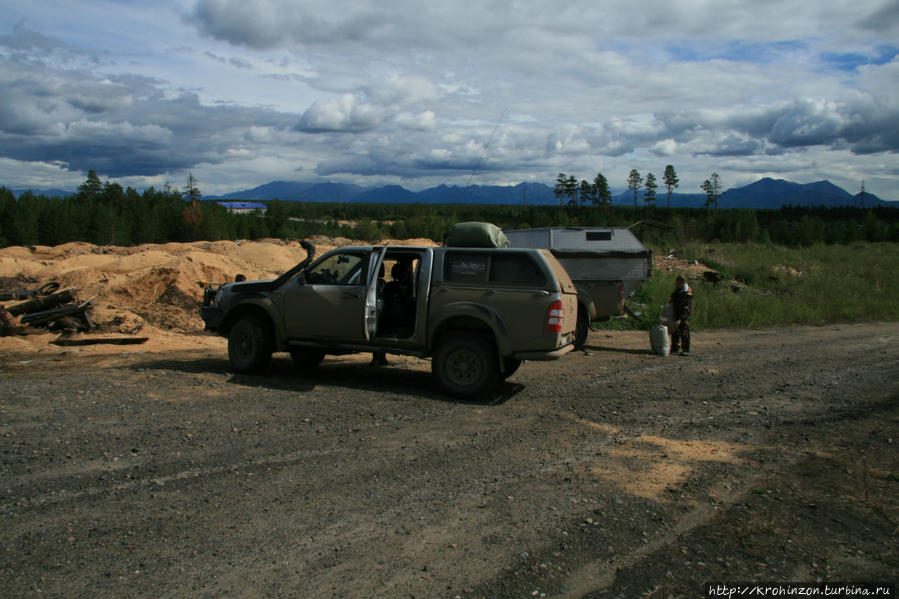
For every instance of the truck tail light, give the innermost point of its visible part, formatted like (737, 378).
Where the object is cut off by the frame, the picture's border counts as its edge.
(554, 317)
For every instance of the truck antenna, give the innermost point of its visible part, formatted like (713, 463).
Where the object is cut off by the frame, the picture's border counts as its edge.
(481, 157)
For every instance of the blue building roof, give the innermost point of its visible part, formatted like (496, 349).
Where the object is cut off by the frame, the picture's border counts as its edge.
(243, 205)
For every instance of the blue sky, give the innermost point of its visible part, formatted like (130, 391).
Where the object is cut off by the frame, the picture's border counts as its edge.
(242, 92)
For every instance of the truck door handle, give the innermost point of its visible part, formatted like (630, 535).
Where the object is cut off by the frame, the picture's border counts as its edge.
(349, 295)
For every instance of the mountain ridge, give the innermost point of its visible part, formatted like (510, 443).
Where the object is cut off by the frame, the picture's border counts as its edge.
(765, 194)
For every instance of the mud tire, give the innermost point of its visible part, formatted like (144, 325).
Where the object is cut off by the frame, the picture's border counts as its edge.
(583, 328)
(466, 365)
(250, 345)
(510, 367)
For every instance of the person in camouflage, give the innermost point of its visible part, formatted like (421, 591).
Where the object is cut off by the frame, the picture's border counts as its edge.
(682, 301)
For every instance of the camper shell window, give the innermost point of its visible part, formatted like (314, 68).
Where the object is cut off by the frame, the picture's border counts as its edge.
(501, 269)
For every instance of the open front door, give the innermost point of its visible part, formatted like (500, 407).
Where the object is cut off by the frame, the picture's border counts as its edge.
(374, 292)
(329, 301)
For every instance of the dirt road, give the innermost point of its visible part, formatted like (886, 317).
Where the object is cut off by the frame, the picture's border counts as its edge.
(766, 456)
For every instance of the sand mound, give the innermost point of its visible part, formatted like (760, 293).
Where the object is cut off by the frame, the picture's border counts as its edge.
(150, 290)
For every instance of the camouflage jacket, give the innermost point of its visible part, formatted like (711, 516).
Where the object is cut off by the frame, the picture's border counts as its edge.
(682, 300)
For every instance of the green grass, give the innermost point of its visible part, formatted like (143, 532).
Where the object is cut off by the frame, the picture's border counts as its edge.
(779, 286)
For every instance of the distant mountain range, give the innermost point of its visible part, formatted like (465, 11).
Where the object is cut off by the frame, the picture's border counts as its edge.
(763, 194)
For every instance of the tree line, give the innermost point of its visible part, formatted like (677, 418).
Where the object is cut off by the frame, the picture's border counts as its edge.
(596, 193)
(105, 213)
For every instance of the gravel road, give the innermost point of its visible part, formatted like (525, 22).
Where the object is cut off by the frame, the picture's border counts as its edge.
(767, 455)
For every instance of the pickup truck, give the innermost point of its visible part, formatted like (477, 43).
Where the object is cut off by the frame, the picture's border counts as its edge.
(476, 312)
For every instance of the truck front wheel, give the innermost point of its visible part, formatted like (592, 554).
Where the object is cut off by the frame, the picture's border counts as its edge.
(250, 345)
(466, 365)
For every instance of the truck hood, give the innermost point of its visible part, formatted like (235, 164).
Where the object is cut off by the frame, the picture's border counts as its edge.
(251, 286)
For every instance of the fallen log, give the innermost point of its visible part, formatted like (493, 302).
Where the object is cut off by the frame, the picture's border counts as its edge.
(45, 289)
(35, 319)
(63, 296)
(69, 341)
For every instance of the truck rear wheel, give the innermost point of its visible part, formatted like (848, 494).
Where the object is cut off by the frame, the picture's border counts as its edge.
(583, 327)
(466, 365)
(250, 345)
(510, 366)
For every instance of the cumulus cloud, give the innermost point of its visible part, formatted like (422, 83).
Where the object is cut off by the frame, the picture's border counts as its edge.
(271, 23)
(665, 147)
(347, 113)
(863, 125)
(414, 91)
(884, 19)
(423, 121)
(117, 125)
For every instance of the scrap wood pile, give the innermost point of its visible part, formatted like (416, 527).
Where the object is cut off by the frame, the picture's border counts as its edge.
(51, 308)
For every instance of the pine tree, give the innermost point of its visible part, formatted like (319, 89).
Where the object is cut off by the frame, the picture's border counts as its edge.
(716, 188)
(571, 188)
(671, 181)
(650, 194)
(559, 189)
(709, 193)
(192, 190)
(91, 188)
(588, 193)
(634, 181)
(602, 194)
(192, 215)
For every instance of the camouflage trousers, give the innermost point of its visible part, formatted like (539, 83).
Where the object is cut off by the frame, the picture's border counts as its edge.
(680, 336)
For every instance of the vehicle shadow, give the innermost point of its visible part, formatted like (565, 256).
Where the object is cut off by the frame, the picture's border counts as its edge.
(616, 350)
(283, 375)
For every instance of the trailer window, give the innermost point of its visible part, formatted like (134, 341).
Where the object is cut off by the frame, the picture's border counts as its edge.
(599, 236)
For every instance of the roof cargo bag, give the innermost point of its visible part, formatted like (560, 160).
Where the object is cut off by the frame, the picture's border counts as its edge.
(476, 235)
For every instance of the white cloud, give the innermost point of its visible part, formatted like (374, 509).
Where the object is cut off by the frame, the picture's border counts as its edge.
(347, 113)
(665, 147)
(412, 92)
(423, 121)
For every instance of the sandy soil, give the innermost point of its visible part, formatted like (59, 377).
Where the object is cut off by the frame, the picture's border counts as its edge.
(152, 290)
(154, 471)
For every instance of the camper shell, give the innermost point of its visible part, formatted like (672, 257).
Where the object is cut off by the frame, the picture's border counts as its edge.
(606, 265)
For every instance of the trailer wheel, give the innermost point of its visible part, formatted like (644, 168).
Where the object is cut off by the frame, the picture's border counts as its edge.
(583, 327)
(466, 365)
(250, 345)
